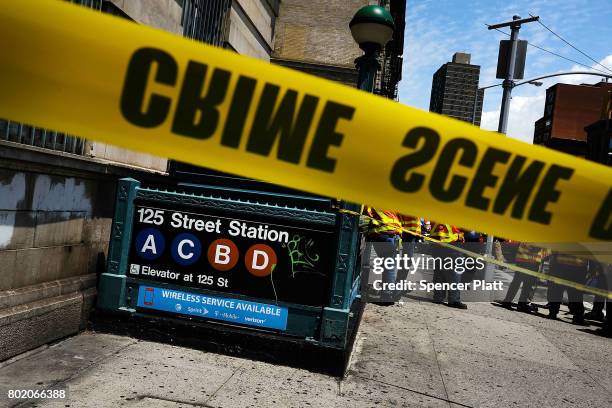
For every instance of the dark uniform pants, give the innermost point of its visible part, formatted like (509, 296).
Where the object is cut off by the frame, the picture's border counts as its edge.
(442, 275)
(575, 274)
(529, 282)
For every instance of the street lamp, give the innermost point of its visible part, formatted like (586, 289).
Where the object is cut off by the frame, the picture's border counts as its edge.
(489, 243)
(514, 85)
(535, 83)
(372, 27)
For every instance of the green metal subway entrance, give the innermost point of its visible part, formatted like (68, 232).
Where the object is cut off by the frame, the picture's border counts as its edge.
(235, 254)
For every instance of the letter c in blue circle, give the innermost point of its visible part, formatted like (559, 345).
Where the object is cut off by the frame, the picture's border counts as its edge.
(186, 249)
(150, 243)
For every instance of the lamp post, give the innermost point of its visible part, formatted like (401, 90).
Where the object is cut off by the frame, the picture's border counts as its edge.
(490, 238)
(531, 82)
(372, 27)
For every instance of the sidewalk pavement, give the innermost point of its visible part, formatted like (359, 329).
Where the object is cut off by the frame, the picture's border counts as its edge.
(411, 355)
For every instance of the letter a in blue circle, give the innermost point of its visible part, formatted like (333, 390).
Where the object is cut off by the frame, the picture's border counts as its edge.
(150, 243)
(186, 249)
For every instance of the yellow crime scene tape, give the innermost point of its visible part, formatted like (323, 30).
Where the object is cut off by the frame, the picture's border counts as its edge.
(67, 68)
(513, 267)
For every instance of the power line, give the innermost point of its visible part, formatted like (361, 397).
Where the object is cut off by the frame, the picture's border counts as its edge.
(571, 45)
(555, 54)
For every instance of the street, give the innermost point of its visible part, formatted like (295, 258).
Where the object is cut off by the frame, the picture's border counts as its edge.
(410, 355)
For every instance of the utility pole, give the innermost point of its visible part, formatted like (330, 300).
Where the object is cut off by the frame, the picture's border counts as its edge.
(508, 84)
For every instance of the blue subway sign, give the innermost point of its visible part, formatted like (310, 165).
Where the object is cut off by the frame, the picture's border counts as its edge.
(212, 307)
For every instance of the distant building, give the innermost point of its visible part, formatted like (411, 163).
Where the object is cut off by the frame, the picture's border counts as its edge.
(454, 90)
(567, 111)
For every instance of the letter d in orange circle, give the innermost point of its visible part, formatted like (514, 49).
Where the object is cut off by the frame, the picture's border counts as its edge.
(260, 260)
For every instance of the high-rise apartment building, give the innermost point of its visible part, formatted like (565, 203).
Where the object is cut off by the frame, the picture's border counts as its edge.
(454, 90)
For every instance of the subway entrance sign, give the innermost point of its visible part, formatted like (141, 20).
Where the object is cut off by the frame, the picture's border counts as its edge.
(236, 254)
(254, 259)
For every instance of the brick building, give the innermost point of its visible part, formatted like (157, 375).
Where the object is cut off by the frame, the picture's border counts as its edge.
(313, 37)
(568, 109)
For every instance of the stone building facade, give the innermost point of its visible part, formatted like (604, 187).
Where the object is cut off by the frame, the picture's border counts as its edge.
(57, 191)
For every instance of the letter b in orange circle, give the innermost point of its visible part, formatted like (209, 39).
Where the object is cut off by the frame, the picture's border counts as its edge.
(222, 254)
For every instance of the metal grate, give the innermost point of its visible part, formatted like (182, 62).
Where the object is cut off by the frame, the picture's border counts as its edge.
(39, 137)
(206, 20)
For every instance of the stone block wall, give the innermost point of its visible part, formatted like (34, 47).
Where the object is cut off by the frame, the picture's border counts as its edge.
(162, 14)
(54, 233)
(251, 28)
(51, 226)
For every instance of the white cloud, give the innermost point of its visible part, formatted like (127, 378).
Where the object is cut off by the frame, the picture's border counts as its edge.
(524, 111)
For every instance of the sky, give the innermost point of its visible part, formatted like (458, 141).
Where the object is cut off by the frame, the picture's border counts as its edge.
(436, 29)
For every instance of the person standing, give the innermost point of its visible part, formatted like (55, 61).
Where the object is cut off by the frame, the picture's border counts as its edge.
(449, 234)
(527, 257)
(607, 326)
(411, 233)
(571, 268)
(597, 276)
(384, 234)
